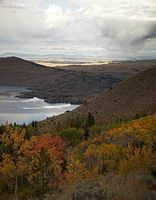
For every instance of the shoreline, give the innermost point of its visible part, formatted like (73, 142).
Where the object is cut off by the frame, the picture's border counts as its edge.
(29, 95)
(21, 109)
(24, 92)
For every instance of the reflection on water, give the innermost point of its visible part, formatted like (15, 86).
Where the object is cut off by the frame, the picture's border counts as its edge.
(13, 109)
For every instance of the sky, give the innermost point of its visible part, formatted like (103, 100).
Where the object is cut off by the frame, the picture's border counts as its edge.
(78, 29)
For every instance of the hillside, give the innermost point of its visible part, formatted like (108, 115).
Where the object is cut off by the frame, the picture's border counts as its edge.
(135, 96)
(116, 164)
(113, 164)
(118, 69)
(75, 84)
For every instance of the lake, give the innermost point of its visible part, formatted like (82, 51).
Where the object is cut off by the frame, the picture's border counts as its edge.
(14, 109)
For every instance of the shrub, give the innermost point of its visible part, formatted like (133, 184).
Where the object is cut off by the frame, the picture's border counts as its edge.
(95, 130)
(71, 135)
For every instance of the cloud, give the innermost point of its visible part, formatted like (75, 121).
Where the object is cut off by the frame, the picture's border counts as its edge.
(84, 27)
(128, 32)
(55, 16)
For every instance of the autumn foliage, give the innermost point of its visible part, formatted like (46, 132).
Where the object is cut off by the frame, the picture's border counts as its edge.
(38, 161)
(46, 163)
(46, 156)
(130, 147)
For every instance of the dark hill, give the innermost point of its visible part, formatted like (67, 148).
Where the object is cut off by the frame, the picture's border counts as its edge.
(74, 84)
(135, 96)
(53, 84)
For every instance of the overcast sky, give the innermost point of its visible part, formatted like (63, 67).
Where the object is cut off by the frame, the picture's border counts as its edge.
(95, 29)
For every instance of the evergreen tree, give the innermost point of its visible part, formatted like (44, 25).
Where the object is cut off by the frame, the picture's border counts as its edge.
(89, 122)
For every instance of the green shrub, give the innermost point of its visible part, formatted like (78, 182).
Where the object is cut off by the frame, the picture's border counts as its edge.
(71, 135)
(95, 130)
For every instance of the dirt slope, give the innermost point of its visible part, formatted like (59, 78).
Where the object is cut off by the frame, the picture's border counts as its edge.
(129, 98)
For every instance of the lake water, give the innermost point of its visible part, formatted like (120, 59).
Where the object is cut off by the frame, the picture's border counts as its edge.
(14, 109)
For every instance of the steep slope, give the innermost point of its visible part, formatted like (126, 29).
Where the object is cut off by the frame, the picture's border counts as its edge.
(132, 97)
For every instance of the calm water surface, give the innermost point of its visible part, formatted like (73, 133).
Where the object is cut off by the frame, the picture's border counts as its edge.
(14, 109)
